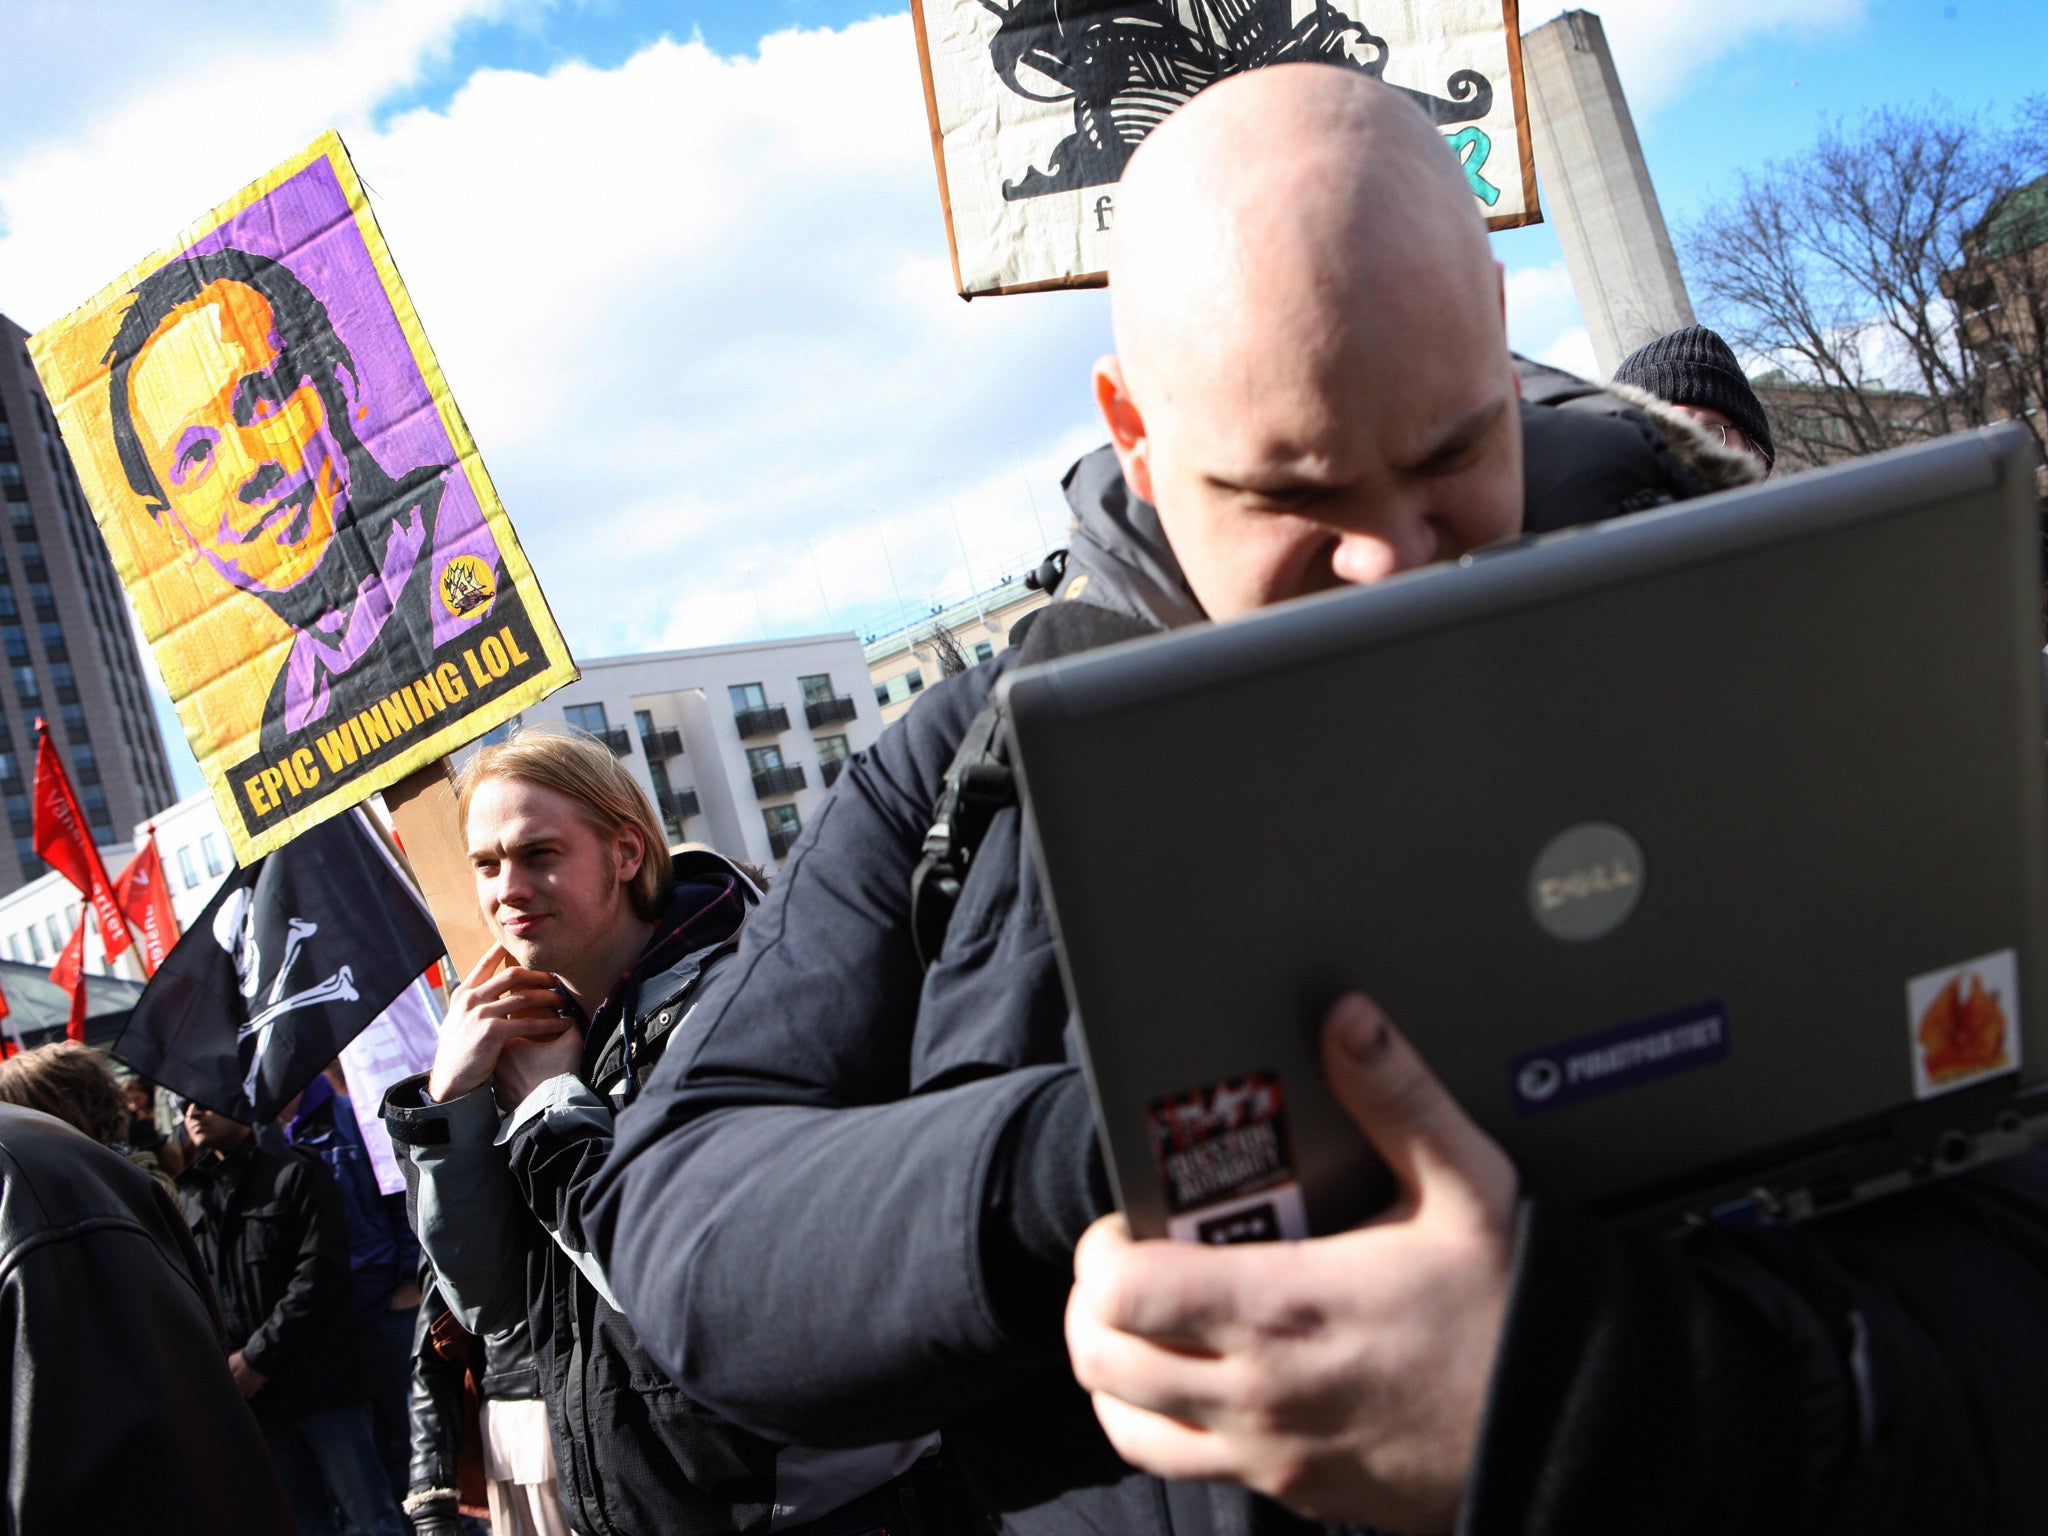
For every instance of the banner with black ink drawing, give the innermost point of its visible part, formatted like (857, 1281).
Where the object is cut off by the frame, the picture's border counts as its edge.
(1036, 105)
(330, 586)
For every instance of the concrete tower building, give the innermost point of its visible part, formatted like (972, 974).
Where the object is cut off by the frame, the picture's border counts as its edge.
(1596, 189)
(70, 653)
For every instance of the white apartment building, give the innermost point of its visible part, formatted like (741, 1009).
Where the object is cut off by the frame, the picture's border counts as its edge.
(735, 744)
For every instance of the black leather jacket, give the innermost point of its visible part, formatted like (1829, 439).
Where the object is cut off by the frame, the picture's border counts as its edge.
(121, 1412)
(271, 1231)
(509, 1372)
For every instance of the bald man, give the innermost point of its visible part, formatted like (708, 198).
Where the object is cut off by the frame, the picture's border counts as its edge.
(846, 1206)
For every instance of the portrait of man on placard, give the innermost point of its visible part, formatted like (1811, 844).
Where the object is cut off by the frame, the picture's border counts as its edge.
(332, 590)
(232, 400)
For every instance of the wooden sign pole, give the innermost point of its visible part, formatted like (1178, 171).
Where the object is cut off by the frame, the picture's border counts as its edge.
(422, 807)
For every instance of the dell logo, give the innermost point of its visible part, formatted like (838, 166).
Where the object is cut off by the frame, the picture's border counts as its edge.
(1586, 882)
(1580, 884)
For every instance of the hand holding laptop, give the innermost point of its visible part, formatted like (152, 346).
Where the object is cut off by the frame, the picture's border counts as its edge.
(1343, 1375)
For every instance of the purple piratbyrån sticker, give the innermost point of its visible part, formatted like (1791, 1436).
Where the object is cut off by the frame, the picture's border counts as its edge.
(1626, 1056)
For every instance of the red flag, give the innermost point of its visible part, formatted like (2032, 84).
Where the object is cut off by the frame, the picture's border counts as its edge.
(144, 896)
(69, 973)
(62, 842)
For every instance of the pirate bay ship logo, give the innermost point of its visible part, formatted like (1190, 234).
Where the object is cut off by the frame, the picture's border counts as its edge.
(1126, 64)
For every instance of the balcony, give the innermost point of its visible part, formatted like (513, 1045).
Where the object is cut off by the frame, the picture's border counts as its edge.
(680, 804)
(832, 771)
(761, 722)
(662, 745)
(828, 712)
(780, 839)
(619, 739)
(777, 781)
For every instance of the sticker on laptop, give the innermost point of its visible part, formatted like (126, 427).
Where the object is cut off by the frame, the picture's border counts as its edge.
(1226, 1163)
(1966, 1023)
(1626, 1056)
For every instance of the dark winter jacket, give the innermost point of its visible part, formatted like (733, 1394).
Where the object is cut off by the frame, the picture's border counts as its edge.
(271, 1231)
(121, 1408)
(498, 1210)
(847, 1163)
(845, 1204)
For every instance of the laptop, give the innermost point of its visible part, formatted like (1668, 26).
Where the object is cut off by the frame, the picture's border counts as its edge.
(1701, 853)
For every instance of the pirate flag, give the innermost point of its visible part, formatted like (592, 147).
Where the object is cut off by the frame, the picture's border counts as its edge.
(295, 955)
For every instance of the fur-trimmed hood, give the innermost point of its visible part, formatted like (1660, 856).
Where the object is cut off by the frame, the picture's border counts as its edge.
(1719, 467)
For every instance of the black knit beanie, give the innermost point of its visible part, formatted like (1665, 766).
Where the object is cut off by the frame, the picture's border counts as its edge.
(1695, 367)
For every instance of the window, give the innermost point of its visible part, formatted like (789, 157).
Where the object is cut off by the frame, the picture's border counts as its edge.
(832, 755)
(498, 733)
(35, 942)
(643, 722)
(586, 717)
(16, 641)
(53, 925)
(26, 686)
(14, 950)
(94, 799)
(25, 855)
(18, 812)
(899, 688)
(53, 642)
(210, 846)
(746, 696)
(66, 684)
(187, 870)
(983, 649)
(763, 759)
(783, 826)
(74, 723)
(817, 687)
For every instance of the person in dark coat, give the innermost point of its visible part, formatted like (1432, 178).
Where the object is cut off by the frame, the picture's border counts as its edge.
(604, 941)
(1694, 372)
(270, 1230)
(120, 1401)
(849, 1201)
(383, 1258)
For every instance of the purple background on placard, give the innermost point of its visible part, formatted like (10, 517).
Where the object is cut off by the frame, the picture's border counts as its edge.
(305, 224)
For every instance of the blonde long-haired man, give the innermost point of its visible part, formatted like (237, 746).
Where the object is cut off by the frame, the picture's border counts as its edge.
(602, 939)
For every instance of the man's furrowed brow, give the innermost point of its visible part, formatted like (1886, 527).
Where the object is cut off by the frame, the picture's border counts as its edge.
(1459, 434)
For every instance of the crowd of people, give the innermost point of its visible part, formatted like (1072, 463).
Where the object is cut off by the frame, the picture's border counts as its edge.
(736, 1209)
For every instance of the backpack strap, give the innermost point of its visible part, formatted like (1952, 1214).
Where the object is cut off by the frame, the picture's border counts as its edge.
(979, 781)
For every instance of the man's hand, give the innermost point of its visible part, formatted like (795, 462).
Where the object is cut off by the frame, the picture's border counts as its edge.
(248, 1380)
(525, 1064)
(1344, 1375)
(491, 1008)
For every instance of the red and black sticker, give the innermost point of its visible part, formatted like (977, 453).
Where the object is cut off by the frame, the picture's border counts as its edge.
(1221, 1142)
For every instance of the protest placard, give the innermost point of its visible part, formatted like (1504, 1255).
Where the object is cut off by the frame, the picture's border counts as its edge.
(324, 572)
(1036, 106)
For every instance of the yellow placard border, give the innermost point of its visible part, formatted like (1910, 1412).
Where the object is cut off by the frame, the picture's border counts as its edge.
(562, 667)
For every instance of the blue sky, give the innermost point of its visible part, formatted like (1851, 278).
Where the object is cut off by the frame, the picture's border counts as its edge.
(690, 287)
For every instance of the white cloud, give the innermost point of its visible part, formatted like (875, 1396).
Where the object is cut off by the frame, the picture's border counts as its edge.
(212, 100)
(699, 314)
(1658, 43)
(1544, 321)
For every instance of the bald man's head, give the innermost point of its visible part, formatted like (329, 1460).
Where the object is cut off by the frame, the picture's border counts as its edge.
(1311, 381)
